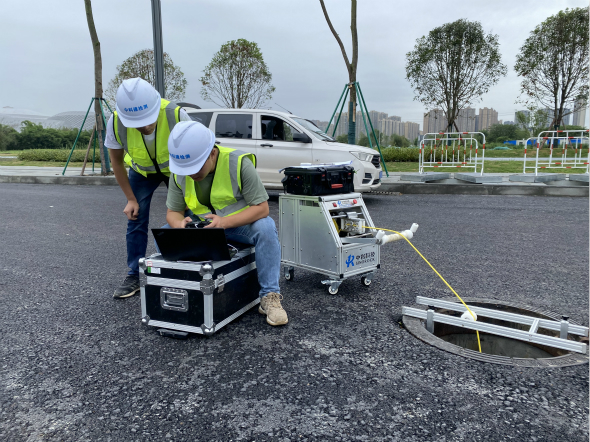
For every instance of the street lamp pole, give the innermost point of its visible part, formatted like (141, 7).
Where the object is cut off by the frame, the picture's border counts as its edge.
(158, 46)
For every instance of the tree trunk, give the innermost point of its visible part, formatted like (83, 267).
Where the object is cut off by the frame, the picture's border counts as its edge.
(97, 83)
(351, 67)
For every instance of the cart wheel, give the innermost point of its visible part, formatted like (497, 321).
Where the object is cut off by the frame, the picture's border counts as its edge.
(332, 290)
(365, 281)
(290, 275)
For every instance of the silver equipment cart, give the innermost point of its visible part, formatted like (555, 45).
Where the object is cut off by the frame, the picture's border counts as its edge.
(325, 234)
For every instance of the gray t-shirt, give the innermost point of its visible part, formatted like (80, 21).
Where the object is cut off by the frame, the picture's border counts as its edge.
(252, 189)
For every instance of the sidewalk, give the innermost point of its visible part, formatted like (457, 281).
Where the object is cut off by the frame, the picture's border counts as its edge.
(53, 175)
(395, 183)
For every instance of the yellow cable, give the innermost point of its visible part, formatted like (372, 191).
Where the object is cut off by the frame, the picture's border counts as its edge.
(439, 275)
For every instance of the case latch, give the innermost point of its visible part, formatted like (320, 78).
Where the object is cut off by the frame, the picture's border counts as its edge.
(174, 299)
(220, 283)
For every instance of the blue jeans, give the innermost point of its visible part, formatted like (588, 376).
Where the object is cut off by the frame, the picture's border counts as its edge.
(137, 230)
(263, 235)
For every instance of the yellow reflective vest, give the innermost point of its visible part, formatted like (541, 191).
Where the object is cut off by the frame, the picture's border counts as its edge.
(136, 153)
(226, 189)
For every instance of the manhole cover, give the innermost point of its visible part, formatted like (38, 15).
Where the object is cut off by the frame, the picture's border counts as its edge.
(496, 349)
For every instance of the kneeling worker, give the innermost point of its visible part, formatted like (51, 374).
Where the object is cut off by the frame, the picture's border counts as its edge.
(221, 184)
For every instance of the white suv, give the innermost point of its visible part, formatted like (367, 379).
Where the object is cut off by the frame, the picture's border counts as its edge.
(279, 140)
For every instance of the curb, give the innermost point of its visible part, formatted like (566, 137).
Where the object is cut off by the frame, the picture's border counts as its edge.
(407, 188)
(483, 189)
(68, 180)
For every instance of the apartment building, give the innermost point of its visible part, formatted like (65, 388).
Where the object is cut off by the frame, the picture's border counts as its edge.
(487, 118)
(466, 120)
(580, 108)
(434, 121)
(382, 122)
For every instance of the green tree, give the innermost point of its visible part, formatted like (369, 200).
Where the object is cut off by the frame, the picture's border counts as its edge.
(532, 121)
(141, 64)
(399, 141)
(454, 65)
(342, 138)
(8, 137)
(237, 76)
(553, 63)
(504, 131)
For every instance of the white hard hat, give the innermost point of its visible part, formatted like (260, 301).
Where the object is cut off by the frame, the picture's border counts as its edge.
(189, 145)
(138, 103)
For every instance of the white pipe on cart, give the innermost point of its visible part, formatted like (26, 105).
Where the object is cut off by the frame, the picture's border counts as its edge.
(384, 239)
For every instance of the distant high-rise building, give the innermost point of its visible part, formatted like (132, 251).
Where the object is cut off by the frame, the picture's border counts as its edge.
(411, 130)
(487, 118)
(508, 122)
(387, 125)
(321, 124)
(580, 113)
(567, 115)
(435, 121)
(466, 120)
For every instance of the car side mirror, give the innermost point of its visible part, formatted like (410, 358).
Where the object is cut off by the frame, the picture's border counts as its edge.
(301, 138)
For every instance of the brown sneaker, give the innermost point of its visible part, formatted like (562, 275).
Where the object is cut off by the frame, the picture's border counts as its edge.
(270, 305)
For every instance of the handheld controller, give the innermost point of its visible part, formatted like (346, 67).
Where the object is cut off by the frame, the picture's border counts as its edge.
(198, 224)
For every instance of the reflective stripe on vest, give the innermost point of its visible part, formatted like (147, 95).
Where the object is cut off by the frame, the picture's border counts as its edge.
(137, 155)
(226, 189)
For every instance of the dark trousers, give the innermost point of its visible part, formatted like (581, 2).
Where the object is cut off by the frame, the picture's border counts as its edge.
(137, 230)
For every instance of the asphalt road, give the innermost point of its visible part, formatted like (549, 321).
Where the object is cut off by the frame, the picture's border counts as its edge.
(77, 365)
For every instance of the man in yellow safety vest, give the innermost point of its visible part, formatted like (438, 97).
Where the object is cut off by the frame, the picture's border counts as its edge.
(221, 184)
(137, 135)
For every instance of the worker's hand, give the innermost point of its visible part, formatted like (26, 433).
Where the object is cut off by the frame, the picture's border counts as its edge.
(216, 221)
(131, 210)
(185, 221)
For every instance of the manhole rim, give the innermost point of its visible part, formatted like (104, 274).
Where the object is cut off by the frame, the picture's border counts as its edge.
(416, 328)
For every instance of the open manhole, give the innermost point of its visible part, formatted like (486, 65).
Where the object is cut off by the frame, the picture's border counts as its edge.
(498, 349)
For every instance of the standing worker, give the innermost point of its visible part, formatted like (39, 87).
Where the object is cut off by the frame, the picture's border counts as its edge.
(137, 134)
(221, 184)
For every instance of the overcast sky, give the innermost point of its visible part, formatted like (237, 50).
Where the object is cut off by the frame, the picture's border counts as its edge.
(46, 55)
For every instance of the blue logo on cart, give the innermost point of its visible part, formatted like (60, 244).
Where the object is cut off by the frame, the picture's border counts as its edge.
(350, 261)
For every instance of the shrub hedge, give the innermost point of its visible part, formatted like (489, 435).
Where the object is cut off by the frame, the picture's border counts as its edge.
(57, 155)
(401, 154)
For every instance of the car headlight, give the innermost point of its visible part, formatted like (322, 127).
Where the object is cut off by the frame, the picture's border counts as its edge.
(367, 157)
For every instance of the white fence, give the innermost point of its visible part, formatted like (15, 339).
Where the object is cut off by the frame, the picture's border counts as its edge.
(452, 151)
(566, 140)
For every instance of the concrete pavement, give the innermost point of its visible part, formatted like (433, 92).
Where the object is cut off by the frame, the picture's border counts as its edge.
(77, 365)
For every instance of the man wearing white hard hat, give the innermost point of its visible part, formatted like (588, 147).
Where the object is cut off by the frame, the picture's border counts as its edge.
(221, 184)
(137, 135)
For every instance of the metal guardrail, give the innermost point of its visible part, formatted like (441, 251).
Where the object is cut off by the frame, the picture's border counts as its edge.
(564, 327)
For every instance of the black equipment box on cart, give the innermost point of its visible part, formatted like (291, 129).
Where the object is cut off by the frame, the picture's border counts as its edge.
(318, 180)
(189, 297)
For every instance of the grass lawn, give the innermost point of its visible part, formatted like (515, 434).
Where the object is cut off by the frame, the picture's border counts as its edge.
(489, 167)
(45, 163)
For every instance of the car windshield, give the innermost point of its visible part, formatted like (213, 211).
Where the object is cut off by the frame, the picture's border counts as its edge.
(316, 131)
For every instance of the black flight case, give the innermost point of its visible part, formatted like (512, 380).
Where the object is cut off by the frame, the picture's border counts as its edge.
(318, 180)
(187, 297)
